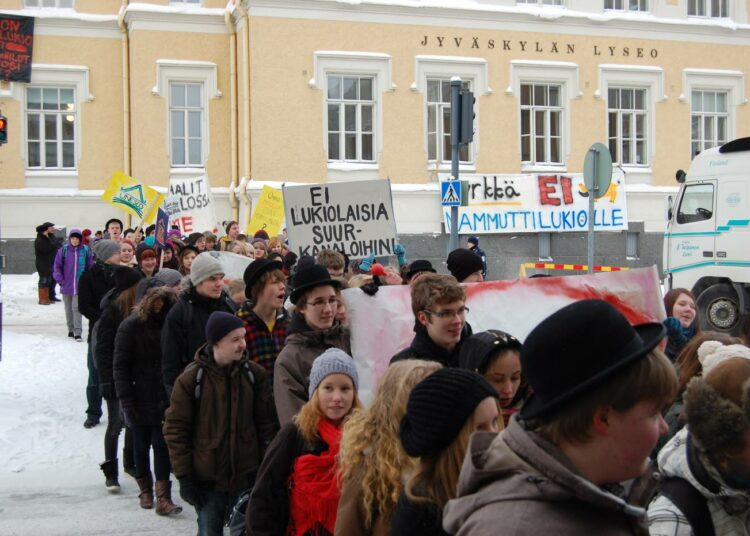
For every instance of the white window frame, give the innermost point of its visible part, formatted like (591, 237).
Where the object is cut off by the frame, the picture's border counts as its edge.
(561, 73)
(707, 7)
(198, 3)
(42, 141)
(56, 6)
(547, 110)
(627, 9)
(543, 3)
(634, 114)
(195, 72)
(638, 77)
(374, 64)
(732, 82)
(472, 70)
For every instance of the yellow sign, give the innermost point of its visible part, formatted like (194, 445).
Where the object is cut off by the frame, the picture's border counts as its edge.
(268, 213)
(137, 199)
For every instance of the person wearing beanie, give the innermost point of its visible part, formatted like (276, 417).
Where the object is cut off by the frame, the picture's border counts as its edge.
(705, 487)
(117, 304)
(185, 326)
(198, 241)
(114, 228)
(465, 266)
(169, 277)
(140, 391)
(263, 313)
(148, 264)
(313, 329)
(440, 326)
(417, 269)
(94, 284)
(599, 385)
(71, 261)
(170, 256)
(46, 245)
(219, 423)
(472, 244)
(298, 484)
(443, 410)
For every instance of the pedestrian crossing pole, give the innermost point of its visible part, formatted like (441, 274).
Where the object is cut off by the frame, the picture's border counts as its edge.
(455, 142)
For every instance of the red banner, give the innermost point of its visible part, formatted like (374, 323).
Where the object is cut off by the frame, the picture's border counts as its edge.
(16, 44)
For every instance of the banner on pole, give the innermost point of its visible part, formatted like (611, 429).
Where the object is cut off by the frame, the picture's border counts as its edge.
(128, 194)
(541, 203)
(355, 218)
(268, 213)
(189, 205)
(162, 226)
(16, 47)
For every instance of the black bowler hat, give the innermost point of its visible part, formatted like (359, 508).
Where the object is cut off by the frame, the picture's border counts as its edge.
(578, 348)
(256, 269)
(419, 266)
(308, 278)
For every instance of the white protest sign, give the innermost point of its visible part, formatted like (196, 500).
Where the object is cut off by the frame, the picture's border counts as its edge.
(189, 205)
(541, 203)
(383, 324)
(355, 218)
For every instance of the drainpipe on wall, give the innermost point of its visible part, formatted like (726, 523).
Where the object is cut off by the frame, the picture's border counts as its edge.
(229, 20)
(248, 201)
(126, 157)
(247, 211)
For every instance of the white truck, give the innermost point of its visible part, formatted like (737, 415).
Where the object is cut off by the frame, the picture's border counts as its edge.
(707, 242)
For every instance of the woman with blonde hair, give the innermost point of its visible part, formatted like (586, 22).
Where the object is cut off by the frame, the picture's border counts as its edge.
(297, 490)
(373, 462)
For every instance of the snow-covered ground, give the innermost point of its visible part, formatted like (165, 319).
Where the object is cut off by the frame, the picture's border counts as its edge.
(50, 482)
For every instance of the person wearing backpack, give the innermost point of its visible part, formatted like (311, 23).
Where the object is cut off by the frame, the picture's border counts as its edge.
(71, 261)
(705, 484)
(219, 423)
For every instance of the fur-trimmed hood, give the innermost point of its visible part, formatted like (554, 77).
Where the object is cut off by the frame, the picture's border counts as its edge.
(144, 309)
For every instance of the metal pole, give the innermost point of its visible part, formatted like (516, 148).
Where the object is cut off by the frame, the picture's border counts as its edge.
(455, 131)
(592, 196)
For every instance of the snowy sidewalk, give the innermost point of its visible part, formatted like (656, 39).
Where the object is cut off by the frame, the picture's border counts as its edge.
(50, 482)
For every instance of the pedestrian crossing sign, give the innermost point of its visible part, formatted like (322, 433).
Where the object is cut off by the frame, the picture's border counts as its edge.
(450, 193)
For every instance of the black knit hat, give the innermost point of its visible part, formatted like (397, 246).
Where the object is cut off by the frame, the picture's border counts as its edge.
(310, 277)
(462, 263)
(419, 266)
(256, 269)
(477, 350)
(126, 277)
(219, 324)
(439, 407)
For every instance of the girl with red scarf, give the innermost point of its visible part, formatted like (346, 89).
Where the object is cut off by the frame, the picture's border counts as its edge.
(297, 489)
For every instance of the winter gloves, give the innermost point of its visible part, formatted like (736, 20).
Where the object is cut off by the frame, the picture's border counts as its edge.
(400, 252)
(677, 334)
(366, 263)
(190, 492)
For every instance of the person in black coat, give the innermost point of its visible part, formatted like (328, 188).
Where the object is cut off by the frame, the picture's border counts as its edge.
(46, 245)
(138, 384)
(93, 285)
(185, 326)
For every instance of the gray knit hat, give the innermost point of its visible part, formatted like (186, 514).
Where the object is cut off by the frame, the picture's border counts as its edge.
(169, 277)
(332, 361)
(104, 249)
(204, 266)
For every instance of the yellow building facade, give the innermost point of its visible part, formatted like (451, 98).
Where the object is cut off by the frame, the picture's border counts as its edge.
(250, 92)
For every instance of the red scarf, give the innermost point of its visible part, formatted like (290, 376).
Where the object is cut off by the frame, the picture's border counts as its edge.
(314, 487)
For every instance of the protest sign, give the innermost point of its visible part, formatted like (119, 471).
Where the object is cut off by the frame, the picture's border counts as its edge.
(355, 218)
(128, 194)
(268, 213)
(383, 324)
(162, 224)
(189, 205)
(16, 46)
(537, 204)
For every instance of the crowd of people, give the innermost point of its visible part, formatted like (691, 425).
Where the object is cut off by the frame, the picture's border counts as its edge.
(246, 391)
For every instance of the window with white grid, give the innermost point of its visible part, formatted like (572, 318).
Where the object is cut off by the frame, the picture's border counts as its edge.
(186, 124)
(709, 115)
(48, 3)
(439, 122)
(50, 128)
(542, 2)
(193, 2)
(708, 8)
(626, 5)
(541, 123)
(628, 127)
(351, 118)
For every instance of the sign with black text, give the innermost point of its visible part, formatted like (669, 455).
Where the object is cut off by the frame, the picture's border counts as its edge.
(355, 218)
(189, 205)
(16, 45)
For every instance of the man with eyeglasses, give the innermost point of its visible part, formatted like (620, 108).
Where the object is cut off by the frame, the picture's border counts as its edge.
(438, 302)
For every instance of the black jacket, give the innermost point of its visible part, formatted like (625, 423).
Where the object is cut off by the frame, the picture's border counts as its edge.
(92, 287)
(422, 347)
(185, 331)
(416, 519)
(45, 249)
(104, 350)
(268, 509)
(137, 360)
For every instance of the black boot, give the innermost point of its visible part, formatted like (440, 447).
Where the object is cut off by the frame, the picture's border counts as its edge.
(110, 470)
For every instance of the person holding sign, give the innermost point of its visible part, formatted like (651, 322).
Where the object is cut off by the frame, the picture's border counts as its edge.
(313, 329)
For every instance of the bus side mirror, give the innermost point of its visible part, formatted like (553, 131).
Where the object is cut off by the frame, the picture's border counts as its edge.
(670, 202)
(680, 176)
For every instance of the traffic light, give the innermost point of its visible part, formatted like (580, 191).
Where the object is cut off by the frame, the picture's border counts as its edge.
(467, 117)
(3, 129)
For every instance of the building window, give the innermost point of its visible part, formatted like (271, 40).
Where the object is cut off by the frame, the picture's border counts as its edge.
(709, 119)
(351, 112)
(708, 8)
(626, 5)
(49, 3)
(194, 2)
(439, 123)
(50, 128)
(542, 2)
(541, 123)
(186, 124)
(627, 119)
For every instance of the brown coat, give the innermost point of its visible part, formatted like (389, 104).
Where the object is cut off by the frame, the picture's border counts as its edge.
(221, 442)
(291, 372)
(350, 516)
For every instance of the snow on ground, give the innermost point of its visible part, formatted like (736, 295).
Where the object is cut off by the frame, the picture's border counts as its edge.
(50, 482)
